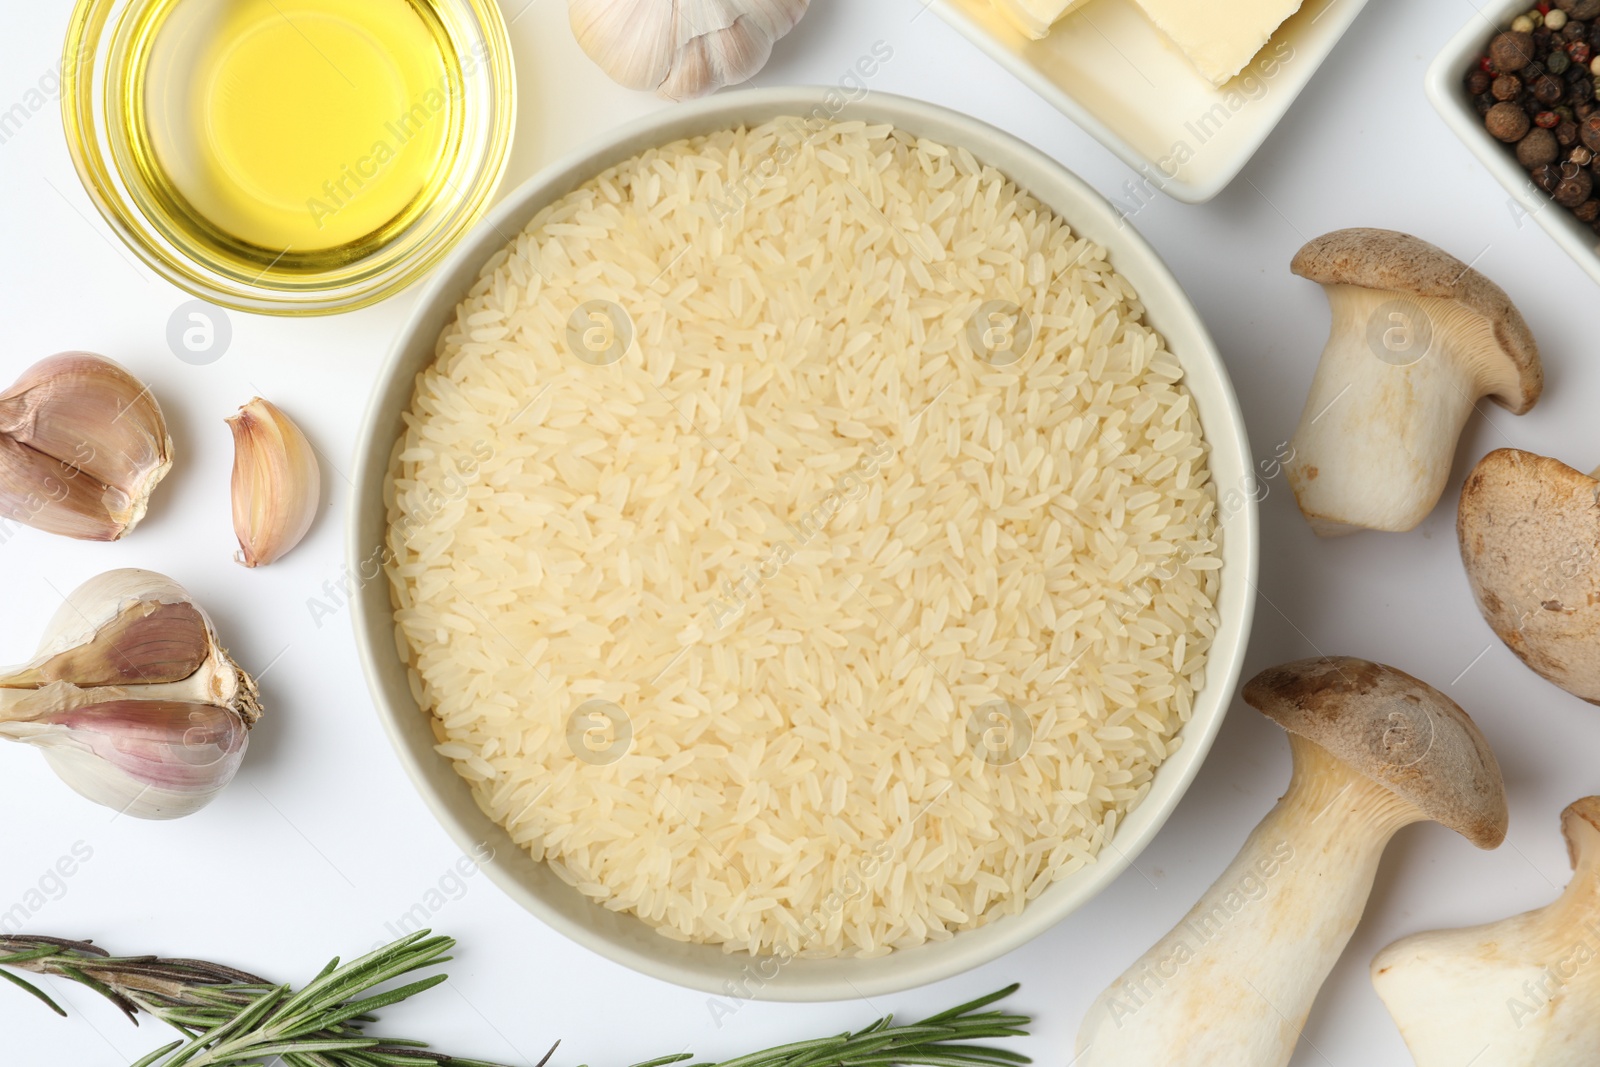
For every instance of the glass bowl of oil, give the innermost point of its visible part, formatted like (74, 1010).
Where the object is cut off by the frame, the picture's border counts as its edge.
(291, 157)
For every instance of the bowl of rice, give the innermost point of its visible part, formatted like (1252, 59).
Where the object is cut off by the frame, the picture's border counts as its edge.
(808, 543)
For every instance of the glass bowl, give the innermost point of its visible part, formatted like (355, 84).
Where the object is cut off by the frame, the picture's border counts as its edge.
(117, 70)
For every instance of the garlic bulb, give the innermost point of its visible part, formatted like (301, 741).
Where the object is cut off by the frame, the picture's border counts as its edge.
(681, 49)
(276, 483)
(131, 698)
(82, 446)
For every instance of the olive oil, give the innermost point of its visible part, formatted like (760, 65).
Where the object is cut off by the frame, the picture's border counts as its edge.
(294, 135)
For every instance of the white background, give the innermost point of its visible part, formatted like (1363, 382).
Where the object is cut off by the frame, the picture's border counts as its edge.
(322, 840)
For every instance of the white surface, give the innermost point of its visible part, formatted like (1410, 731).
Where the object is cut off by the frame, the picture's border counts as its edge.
(1451, 99)
(322, 840)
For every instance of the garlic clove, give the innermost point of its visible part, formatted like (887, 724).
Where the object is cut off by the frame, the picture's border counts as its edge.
(39, 491)
(147, 643)
(91, 413)
(139, 626)
(100, 603)
(277, 483)
(635, 53)
(683, 48)
(728, 56)
(85, 444)
(149, 759)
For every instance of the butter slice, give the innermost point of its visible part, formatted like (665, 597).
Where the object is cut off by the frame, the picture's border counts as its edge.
(1220, 37)
(1035, 17)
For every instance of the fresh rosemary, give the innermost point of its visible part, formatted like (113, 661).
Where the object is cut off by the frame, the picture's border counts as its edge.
(941, 1040)
(233, 1019)
(229, 1018)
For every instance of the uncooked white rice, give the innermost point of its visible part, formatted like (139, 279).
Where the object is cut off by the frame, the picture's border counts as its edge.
(805, 539)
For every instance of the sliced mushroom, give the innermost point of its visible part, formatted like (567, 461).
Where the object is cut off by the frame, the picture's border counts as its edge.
(1524, 992)
(1374, 750)
(1418, 338)
(1529, 528)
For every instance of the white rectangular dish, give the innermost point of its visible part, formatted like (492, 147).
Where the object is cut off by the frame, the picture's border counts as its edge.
(1110, 71)
(1447, 90)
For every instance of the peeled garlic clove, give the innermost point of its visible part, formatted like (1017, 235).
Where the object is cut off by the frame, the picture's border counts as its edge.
(276, 483)
(83, 444)
(132, 698)
(148, 759)
(682, 48)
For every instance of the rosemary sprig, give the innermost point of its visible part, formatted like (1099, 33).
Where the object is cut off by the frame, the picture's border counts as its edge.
(230, 1018)
(943, 1040)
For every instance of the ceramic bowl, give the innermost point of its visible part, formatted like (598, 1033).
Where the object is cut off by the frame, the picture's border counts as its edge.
(1447, 90)
(628, 940)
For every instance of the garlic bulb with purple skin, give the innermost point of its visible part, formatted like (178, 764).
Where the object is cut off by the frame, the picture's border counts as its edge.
(132, 699)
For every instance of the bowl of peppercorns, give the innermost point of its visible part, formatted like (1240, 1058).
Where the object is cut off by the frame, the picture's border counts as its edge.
(1526, 100)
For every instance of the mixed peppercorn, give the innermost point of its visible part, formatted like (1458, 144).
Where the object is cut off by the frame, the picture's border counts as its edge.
(1536, 89)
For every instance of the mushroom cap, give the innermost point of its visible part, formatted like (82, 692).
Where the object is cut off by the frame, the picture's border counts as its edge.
(1529, 528)
(1399, 731)
(1580, 825)
(1389, 261)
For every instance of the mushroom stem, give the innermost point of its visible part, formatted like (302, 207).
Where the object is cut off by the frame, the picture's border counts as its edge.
(1523, 992)
(1391, 396)
(1234, 981)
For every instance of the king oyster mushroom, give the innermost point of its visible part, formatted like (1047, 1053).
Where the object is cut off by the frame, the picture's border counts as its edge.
(1374, 750)
(1529, 528)
(1418, 338)
(1523, 992)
